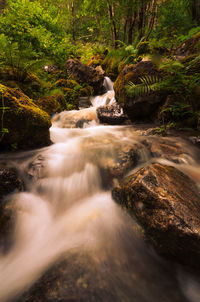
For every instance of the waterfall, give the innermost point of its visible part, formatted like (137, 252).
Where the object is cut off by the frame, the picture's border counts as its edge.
(108, 84)
(108, 98)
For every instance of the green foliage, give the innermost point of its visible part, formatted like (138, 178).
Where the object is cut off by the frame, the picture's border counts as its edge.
(20, 60)
(177, 78)
(174, 20)
(163, 128)
(27, 27)
(178, 110)
(148, 84)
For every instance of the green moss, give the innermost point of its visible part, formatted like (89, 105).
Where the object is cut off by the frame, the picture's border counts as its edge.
(68, 84)
(27, 124)
(95, 61)
(86, 91)
(71, 97)
(49, 104)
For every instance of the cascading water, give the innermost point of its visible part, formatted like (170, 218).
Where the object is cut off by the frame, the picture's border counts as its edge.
(66, 214)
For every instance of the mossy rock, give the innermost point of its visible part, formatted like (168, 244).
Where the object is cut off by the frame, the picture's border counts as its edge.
(143, 105)
(87, 91)
(28, 83)
(95, 61)
(68, 84)
(85, 75)
(27, 125)
(49, 104)
(133, 73)
(71, 97)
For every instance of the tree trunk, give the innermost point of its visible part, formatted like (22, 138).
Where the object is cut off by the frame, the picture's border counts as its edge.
(112, 20)
(72, 22)
(196, 11)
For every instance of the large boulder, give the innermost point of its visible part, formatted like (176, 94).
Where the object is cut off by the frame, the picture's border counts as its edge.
(86, 74)
(144, 104)
(167, 204)
(27, 125)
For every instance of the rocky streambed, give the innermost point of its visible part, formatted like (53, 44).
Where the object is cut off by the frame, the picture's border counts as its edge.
(105, 213)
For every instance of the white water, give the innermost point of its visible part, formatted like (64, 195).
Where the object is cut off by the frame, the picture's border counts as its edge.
(108, 98)
(66, 209)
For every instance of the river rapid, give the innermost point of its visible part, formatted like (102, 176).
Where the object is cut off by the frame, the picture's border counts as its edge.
(66, 221)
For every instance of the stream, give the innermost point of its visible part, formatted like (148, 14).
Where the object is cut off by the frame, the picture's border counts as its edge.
(71, 242)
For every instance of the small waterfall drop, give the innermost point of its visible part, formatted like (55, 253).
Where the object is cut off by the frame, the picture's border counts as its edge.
(108, 98)
(108, 84)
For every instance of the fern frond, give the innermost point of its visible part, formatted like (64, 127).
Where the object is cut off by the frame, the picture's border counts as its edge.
(148, 84)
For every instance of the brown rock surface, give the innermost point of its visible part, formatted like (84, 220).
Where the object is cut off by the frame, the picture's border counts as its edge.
(86, 74)
(167, 203)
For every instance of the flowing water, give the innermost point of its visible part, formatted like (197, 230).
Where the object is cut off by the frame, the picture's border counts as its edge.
(67, 218)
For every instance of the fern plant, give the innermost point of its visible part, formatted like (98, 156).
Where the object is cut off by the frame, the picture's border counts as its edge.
(148, 84)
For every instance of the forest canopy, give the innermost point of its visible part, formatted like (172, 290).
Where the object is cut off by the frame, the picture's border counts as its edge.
(56, 29)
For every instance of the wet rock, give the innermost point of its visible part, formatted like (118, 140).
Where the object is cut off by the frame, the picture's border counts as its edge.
(167, 149)
(36, 168)
(82, 122)
(27, 125)
(84, 102)
(116, 167)
(75, 118)
(86, 74)
(167, 204)
(7, 223)
(195, 140)
(112, 115)
(10, 182)
(142, 105)
(71, 280)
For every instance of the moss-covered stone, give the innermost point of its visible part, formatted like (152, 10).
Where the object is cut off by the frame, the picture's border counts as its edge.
(138, 106)
(95, 61)
(167, 203)
(87, 91)
(27, 82)
(68, 84)
(86, 75)
(71, 98)
(27, 125)
(49, 104)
